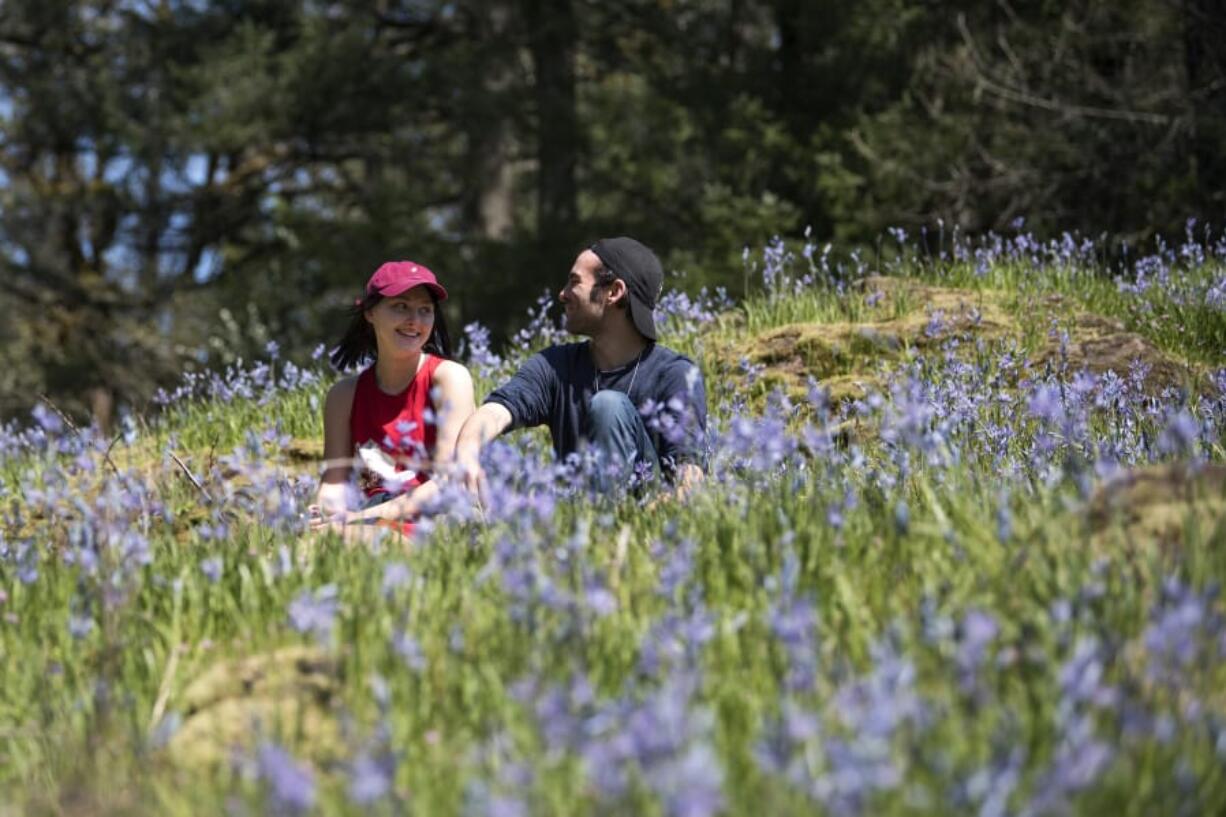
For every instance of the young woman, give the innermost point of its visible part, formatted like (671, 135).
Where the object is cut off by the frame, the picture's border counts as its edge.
(396, 421)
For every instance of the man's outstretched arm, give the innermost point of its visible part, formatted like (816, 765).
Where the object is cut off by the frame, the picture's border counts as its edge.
(483, 425)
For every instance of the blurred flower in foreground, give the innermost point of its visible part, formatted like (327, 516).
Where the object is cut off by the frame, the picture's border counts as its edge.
(291, 786)
(315, 613)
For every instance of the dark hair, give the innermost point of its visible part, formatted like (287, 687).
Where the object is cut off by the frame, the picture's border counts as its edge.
(358, 344)
(604, 277)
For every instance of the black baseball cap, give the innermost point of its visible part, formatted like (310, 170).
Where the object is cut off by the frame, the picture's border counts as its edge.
(635, 263)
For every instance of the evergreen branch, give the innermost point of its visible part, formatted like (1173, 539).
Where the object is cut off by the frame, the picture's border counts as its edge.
(1021, 96)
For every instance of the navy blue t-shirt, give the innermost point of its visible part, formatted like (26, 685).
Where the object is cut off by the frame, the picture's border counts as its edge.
(555, 386)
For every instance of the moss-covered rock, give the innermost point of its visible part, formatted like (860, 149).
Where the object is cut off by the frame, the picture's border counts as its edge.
(287, 695)
(1102, 346)
(910, 317)
(305, 454)
(847, 357)
(1157, 507)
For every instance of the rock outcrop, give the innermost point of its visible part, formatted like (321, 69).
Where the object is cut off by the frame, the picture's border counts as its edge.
(1158, 507)
(286, 695)
(902, 317)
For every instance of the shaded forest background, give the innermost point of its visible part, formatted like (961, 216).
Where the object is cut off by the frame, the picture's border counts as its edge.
(182, 182)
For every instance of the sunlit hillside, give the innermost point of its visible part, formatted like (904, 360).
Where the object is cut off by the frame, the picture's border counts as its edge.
(958, 552)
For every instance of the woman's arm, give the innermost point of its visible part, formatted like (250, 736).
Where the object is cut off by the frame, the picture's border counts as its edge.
(453, 408)
(338, 447)
(397, 508)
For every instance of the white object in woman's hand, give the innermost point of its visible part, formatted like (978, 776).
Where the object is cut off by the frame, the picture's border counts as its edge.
(377, 461)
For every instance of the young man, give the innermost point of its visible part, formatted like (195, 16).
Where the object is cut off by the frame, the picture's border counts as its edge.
(591, 393)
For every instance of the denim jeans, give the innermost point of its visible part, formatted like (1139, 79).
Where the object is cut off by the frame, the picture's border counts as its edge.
(615, 429)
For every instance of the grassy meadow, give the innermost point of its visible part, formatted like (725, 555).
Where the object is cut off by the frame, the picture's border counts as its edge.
(959, 552)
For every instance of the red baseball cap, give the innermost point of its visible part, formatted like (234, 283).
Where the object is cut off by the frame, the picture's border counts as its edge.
(397, 277)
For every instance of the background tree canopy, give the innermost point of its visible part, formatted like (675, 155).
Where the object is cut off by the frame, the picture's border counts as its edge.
(182, 182)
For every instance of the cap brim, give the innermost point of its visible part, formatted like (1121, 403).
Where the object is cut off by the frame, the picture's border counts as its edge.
(437, 289)
(642, 318)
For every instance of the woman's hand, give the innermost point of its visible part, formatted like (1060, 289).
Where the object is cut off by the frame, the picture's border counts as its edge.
(318, 521)
(333, 498)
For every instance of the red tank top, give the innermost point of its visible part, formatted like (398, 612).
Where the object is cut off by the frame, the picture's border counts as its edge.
(402, 425)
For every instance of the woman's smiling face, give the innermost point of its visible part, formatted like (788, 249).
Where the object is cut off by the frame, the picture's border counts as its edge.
(402, 323)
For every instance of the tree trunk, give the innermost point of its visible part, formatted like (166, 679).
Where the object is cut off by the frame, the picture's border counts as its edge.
(1205, 65)
(552, 41)
(487, 204)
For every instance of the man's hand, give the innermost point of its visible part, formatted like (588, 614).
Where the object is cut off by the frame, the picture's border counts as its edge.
(483, 425)
(469, 473)
(687, 478)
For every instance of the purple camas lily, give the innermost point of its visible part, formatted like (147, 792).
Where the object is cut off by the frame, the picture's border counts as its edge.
(793, 620)
(212, 568)
(1080, 760)
(857, 755)
(665, 738)
(680, 315)
(290, 785)
(850, 729)
(1047, 404)
(409, 650)
(371, 778)
(1184, 628)
(480, 357)
(978, 631)
(1181, 435)
(315, 612)
(541, 329)
(395, 576)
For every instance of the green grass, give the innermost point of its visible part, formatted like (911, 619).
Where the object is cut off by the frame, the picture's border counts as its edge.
(1191, 329)
(78, 715)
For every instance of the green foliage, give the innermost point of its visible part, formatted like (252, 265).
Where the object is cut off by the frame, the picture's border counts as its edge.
(1175, 316)
(82, 710)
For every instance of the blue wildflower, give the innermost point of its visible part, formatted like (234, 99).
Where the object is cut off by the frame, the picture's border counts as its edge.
(212, 568)
(291, 786)
(315, 613)
(370, 778)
